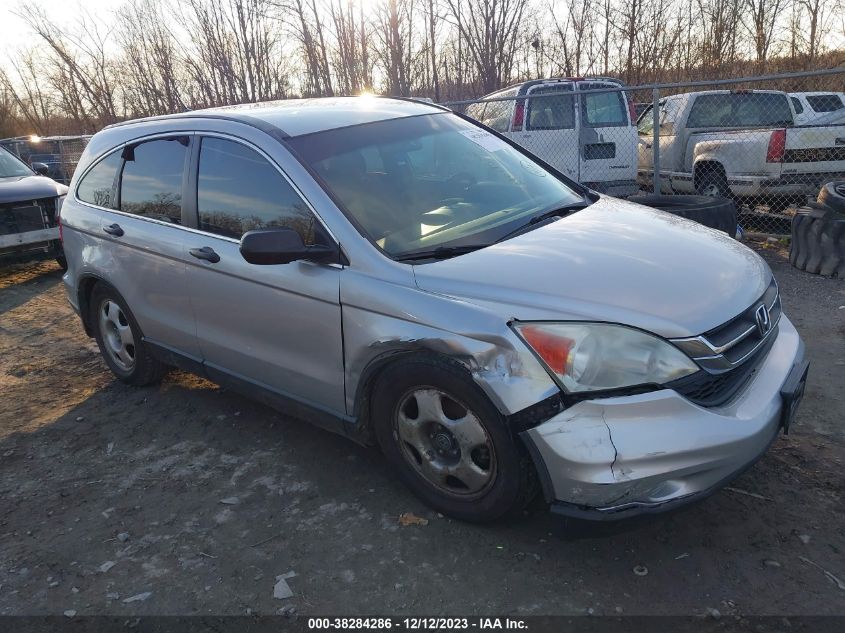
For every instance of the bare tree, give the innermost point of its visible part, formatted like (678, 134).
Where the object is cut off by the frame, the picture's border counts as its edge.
(491, 30)
(760, 18)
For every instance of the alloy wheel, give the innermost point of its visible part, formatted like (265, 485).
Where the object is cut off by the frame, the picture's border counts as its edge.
(117, 335)
(445, 442)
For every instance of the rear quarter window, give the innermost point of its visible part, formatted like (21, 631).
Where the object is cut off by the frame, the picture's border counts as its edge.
(97, 186)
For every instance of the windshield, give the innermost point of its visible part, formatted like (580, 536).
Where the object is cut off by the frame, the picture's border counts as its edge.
(11, 166)
(430, 181)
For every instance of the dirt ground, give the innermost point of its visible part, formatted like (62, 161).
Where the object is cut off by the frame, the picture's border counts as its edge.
(186, 499)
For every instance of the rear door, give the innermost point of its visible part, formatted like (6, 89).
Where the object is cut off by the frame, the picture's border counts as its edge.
(549, 127)
(138, 191)
(276, 327)
(607, 138)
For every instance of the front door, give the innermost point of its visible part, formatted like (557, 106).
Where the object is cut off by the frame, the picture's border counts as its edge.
(141, 239)
(274, 326)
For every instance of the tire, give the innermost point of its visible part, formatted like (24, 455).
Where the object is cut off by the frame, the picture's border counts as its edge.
(832, 195)
(717, 213)
(712, 182)
(121, 344)
(448, 443)
(61, 260)
(818, 241)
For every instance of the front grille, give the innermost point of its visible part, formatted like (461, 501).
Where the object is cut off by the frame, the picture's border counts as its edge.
(731, 353)
(712, 390)
(731, 344)
(26, 216)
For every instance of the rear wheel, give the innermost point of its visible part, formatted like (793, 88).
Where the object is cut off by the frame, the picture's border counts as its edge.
(712, 183)
(120, 340)
(448, 443)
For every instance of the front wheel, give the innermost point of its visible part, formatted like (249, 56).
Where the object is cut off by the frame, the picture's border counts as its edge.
(448, 443)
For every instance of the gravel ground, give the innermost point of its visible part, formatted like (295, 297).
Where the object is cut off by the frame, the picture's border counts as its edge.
(186, 499)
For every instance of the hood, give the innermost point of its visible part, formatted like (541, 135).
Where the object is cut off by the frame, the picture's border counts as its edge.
(22, 188)
(614, 261)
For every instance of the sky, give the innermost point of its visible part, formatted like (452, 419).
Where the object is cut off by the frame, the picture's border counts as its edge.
(16, 33)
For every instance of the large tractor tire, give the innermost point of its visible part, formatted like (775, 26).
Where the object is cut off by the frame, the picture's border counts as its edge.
(818, 241)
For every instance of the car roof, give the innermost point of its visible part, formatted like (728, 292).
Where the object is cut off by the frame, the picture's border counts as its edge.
(298, 117)
(687, 95)
(523, 86)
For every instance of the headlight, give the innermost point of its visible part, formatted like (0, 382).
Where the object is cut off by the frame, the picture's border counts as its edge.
(598, 356)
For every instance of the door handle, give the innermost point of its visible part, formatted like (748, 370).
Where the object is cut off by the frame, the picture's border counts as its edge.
(207, 253)
(113, 229)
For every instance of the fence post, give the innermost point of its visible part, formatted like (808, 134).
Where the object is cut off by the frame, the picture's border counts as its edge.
(655, 142)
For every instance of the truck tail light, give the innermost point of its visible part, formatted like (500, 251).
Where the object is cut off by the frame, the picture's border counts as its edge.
(777, 147)
(519, 116)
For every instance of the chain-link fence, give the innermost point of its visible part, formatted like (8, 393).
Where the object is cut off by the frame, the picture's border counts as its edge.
(768, 143)
(59, 153)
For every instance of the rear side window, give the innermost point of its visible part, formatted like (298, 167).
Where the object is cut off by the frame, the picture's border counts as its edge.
(796, 103)
(551, 113)
(151, 182)
(740, 109)
(824, 103)
(601, 109)
(239, 191)
(97, 186)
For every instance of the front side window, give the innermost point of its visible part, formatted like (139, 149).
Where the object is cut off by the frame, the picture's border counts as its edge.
(796, 103)
(11, 166)
(554, 112)
(97, 186)
(645, 126)
(445, 181)
(825, 103)
(238, 190)
(151, 182)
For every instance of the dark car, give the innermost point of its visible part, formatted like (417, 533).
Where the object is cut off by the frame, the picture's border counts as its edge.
(59, 154)
(29, 211)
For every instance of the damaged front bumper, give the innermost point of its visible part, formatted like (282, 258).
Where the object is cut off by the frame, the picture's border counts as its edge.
(611, 458)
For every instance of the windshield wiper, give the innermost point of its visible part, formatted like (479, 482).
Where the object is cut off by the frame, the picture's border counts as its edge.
(545, 215)
(442, 252)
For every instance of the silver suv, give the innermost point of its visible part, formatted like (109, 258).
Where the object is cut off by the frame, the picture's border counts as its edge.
(392, 271)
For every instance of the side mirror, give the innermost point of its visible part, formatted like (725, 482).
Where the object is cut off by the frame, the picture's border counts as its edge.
(283, 246)
(40, 168)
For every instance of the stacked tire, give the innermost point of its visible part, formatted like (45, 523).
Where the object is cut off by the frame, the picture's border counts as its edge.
(818, 234)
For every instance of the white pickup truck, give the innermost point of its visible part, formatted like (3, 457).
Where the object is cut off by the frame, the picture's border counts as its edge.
(741, 143)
